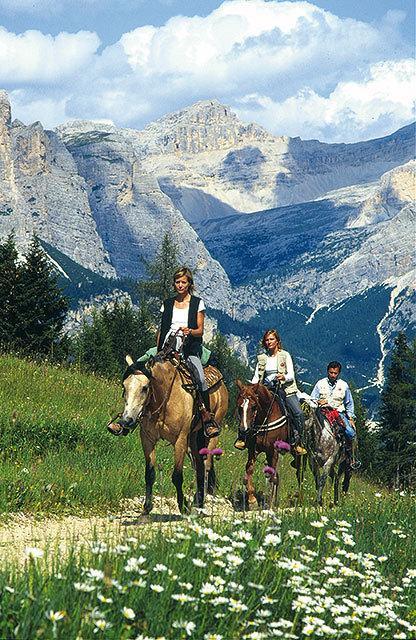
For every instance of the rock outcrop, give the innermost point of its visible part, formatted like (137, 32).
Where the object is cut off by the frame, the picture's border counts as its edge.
(41, 192)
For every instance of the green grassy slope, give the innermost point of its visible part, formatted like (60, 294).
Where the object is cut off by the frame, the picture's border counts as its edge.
(57, 455)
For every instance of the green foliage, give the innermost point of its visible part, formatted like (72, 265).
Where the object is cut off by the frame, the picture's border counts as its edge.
(230, 366)
(8, 290)
(398, 417)
(33, 308)
(113, 332)
(368, 441)
(158, 285)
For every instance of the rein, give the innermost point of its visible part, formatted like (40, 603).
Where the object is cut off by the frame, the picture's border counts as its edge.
(265, 426)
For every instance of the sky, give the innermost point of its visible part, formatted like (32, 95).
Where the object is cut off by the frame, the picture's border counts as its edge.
(335, 70)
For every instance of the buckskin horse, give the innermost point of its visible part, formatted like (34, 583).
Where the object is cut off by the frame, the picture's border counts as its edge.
(157, 395)
(261, 416)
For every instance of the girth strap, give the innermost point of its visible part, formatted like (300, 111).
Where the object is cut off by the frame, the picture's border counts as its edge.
(271, 425)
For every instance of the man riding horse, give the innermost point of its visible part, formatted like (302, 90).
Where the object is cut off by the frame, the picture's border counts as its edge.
(334, 393)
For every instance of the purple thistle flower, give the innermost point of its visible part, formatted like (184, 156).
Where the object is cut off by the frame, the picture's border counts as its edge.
(204, 451)
(217, 452)
(269, 471)
(282, 445)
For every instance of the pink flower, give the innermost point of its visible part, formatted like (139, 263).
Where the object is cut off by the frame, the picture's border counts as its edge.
(269, 471)
(204, 451)
(217, 452)
(282, 445)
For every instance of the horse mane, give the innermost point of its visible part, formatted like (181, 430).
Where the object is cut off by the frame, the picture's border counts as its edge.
(134, 368)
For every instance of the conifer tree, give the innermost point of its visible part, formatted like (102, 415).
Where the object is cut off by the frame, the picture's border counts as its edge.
(398, 416)
(368, 440)
(40, 303)
(113, 332)
(229, 364)
(9, 273)
(158, 284)
(94, 349)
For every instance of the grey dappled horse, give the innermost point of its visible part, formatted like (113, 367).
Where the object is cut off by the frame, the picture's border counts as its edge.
(326, 457)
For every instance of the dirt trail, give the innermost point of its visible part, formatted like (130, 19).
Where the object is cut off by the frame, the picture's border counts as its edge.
(55, 535)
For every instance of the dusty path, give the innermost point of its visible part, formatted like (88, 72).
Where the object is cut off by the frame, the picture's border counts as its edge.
(55, 535)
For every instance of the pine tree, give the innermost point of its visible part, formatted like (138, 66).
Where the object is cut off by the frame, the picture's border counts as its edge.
(40, 303)
(94, 349)
(9, 274)
(158, 285)
(230, 366)
(398, 419)
(130, 331)
(111, 333)
(368, 440)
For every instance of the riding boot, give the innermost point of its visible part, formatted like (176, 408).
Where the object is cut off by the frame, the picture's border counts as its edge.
(211, 426)
(297, 436)
(350, 452)
(240, 443)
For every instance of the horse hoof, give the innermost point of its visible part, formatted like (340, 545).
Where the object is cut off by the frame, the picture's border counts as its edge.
(147, 509)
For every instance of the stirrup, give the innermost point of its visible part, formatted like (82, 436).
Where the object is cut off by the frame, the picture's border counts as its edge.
(301, 451)
(355, 464)
(116, 429)
(211, 429)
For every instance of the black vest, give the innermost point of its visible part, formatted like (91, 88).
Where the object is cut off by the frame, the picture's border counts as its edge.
(193, 344)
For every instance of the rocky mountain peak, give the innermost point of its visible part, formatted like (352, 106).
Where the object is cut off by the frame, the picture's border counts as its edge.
(5, 110)
(205, 126)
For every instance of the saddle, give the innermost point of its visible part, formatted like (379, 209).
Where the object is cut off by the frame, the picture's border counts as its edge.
(212, 376)
(333, 419)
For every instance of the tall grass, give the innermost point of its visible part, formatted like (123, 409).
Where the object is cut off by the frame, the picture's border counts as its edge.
(57, 456)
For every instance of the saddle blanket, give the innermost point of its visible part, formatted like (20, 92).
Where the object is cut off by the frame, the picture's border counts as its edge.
(212, 376)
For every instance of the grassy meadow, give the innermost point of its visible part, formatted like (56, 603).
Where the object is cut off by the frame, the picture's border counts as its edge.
(344, 572)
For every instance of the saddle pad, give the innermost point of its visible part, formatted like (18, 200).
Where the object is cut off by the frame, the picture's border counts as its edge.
(212, 376)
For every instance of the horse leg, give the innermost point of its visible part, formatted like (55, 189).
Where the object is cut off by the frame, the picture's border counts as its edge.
(212, 479)
(315, 471)
(272, 457)
(251, 498)
(337, 476)
(150, 474)
(347, 478)
(300, 463)
(181, 447)
(326, 471)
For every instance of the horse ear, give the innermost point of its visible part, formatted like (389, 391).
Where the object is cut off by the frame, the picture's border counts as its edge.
(129, 360)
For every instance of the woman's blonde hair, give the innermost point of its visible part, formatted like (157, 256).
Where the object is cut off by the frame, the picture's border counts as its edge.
(272, 332)
(184, 271)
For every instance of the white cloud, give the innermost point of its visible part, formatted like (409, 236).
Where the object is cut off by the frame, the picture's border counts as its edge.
(354, 110)
(291, 66)
(33, 57)
(50, 111)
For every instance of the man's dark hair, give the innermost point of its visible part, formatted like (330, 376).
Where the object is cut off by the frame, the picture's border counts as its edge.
(334, 365)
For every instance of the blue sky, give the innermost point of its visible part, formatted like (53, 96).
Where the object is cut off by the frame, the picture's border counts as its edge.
(331, 69)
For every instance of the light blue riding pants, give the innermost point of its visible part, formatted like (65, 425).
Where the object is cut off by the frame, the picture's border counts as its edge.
(349, 429)
(195, 365)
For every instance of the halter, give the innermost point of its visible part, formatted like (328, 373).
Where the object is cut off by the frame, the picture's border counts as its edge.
(265, 426)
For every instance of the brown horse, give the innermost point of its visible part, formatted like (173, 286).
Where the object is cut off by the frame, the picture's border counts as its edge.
(167, 411)
(261, 416)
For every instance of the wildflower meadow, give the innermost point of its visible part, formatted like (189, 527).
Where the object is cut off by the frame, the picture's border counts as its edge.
(295, 572)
